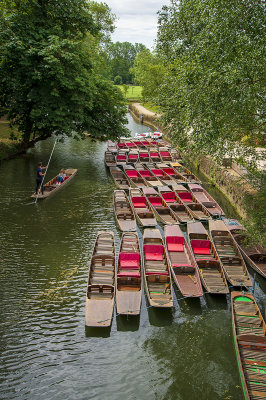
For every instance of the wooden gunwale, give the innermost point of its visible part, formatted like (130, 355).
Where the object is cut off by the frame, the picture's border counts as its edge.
(191, 205)
(213, 284)
(127, 211)
(192, 178)
(164, 299)
(178, 203)
(165, 179)
(250, 347)
(128, 300)
(120, 178)
(239, 233)
(51, 187)
(189, 284)
(146, 221)
(200, 193)
(102, 267)
(138, 181)
(112, 162)
(218, 231)
(150, 179)
(149, 192)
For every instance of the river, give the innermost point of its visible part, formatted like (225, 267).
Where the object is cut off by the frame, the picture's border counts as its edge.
(46, 353)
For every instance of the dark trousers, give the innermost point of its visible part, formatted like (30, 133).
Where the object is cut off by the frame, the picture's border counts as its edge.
(38, 184)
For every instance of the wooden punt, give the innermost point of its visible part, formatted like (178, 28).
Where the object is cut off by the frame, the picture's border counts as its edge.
(196, 208)
(101, 282)
(142, 208)
(144, 156)
(211, 270)
(154, 156)
(182, 213)
(254, 255)
(111, 146)
(129, 275)
(119, 178)
(206, 199)
(176, 156)
(51, 187)
(161, 209)
(134, 177)
(162, 176)
(176, 176)
(183, 265)
(230, 256)
(157, 276)
(150, 179)
(110, 158)
(122, 146)
(249, 331)
(185, 172)
(130, 144)
(133, 156)
(124, 213)
(121, 158)
(165, 154)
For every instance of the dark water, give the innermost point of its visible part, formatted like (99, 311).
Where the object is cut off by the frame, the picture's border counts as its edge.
(46, 352)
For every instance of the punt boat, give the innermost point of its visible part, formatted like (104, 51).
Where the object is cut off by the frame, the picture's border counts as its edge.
(185, 172)
(196, 208)
(206, 199)
(182, 213)
(101, 282)
(161, 209)
(52, 187)
(230, 256)
(119, 178)
(210, 267)
(165, 154)
(249, 331)
(160, 174)
(133, 156)
(129, 275)
(254, 254)
(142, 208)
(110, 158)
(150, 179)
(183, 265)
(124, 213)
(134, 177)
(157, 276)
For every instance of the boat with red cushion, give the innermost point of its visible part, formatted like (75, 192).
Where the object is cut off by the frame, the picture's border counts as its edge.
(165, 154)
(121, 158)
(129, 275)
(254, 254)
(182, 213)
(133, 156)
(142, 208)
(149, 177)
(154, 156)
(161, 209)
(144, 156)
(160, 174)
(112, 146)
(183, 265)
(134, 177)
(196, 208)
(178, 178)
(206, 199)
(210, 267)
(101, 282)
(157, 276)
(185, 172)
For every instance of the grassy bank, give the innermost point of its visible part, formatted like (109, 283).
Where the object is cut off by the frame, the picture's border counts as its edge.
(133, 93)
(8, 147)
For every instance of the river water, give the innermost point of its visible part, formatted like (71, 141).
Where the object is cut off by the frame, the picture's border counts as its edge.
(46, 352)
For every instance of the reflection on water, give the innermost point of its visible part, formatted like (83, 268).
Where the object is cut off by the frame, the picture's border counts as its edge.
(46, 352)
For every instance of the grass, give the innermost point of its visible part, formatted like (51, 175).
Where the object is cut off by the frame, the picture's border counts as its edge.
(7, 146)
(133, 93)
(151, 107)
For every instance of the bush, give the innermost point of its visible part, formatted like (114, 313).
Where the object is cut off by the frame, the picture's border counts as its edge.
(118, 80)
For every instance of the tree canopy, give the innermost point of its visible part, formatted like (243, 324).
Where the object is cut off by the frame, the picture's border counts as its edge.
(50, 75)
(213, 92)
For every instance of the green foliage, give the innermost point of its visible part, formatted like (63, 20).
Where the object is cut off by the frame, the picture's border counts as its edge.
(121, 56)
(118, 80)
(149, 73)
(50, 76)
(213, 93)
(134, 93)
(125, 89)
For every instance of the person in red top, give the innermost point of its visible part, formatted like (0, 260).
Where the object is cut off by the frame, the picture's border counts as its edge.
(39, 178)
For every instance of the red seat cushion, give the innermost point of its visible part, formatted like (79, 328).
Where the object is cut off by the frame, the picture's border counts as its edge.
(133, 156)
(132, 173)
(165, 153)
(128, 274)
(169, 171)
(154, 155)
(129, 144)
(185, 196)
(175, 243)
(139, 202)
(153, 252)
(129, 260)
(157, 172)
(121, 145)
(155, 201)
(169, 197)
(145, 173)
(201, 246)
(145, 155)
(121, 157)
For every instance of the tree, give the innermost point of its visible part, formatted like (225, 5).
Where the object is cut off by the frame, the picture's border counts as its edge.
(49, 71)
(121, 57)
(117, 80)
(213, 92)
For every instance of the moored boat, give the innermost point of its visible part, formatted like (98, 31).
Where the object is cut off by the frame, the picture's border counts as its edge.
(119, 178)
(134, 177)
(150, 179)
(101, 282)
(143, 210)
(133, 156)
(210, 267)
(52, 187)
(249, 331)
(206, 199)
(121, 158)
(162, 176)
(129, 275)
(110, 158)
(254, 254)
(230, 256)
(182, 213)
(161, 209)
(185, 172)
(124, 213)
(154, 156)
(196, 208)
(183, 265)
(165, 154)
(157, 277)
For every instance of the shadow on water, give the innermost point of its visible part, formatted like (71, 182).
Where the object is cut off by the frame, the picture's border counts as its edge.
(191, 306)
(97, 332)
(217, 302)
(160, 316)
(127, 323)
